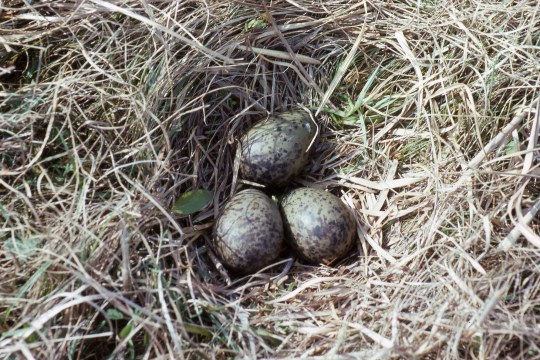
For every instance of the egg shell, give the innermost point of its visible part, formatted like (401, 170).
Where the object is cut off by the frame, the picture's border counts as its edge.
(276, 149)
(248, 234)
(318, 225)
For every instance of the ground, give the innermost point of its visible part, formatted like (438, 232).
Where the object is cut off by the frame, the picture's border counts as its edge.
(428, 116)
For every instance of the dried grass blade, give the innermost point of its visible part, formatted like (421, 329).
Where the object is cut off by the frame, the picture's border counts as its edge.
(378, 249)
(280, 54)
(506, 131)
(383, 185)
(303, 287)
(341, 70)
(525, 229)
(144, 20)
(494, 143)
(384, 342)
(461, 283)
(383, 196)
(168, 320)
(533, 139)
(511, 238)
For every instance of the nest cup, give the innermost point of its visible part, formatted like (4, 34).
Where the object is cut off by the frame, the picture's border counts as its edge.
(248, 233)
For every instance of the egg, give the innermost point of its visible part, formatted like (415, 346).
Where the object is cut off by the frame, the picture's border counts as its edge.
(248, 234)
(276, 149)
(318, 225)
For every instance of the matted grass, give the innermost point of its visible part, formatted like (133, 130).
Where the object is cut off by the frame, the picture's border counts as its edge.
(429, 120)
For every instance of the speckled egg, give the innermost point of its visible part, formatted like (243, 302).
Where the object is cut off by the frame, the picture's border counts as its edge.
(276, 149)
(318, 225)
(248, 234)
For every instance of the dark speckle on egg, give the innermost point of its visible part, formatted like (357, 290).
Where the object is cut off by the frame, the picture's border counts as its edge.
(276, 149)
(318, 225)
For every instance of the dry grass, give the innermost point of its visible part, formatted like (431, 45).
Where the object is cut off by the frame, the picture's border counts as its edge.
(429, 115)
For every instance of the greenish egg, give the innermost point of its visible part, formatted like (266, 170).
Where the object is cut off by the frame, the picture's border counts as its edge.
(248, 234)
(318, 225)
(276, 149)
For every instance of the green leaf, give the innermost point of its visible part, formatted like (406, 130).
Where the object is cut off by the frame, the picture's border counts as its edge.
(269, 337)
(362, 96)
(114, 314)
(146, 339)
(511, 148)
(255, 24)
(197, 330)
(192, 201)
(126, 330)
(22, 249)
(33, 337)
